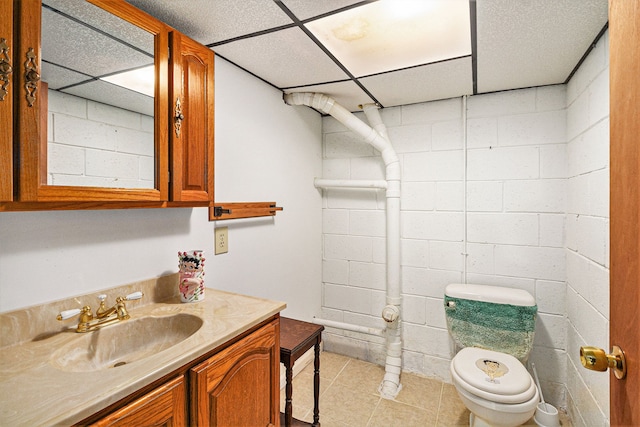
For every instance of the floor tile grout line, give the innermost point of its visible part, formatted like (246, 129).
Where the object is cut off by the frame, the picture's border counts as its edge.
(439, 403)
(333, 381)
(447, 411)
(335, 378)
(373, 412)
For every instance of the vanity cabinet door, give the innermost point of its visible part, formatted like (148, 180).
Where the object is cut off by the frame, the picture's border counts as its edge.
(6, 101)
(192, 128)
(164, 406)
(239, 386)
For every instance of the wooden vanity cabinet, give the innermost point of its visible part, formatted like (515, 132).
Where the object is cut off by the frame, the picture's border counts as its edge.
(237, 384)
(164, 406)
(240, 385)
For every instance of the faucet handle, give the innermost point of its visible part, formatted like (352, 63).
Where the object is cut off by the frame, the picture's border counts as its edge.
(67, 314)
(134, 295)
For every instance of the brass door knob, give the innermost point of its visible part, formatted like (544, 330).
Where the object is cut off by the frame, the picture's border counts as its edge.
(596, 359)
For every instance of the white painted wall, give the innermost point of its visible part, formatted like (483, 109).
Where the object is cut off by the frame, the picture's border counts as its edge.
(537, 165)
(265, 150)
(587, 242)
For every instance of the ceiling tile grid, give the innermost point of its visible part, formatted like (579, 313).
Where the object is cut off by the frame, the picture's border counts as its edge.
(212, 21)
(518, 44)
(442, 80)
(305, 9)
(284, 58)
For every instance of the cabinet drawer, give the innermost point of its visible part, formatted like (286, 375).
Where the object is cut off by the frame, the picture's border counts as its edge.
(164, 406)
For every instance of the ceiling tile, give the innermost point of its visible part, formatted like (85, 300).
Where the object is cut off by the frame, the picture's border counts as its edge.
(348, 94)
(532, 43)
(520, 43)
(427, 83)
(305, 9)
(117, 96)
(57, 77)
(75, 46)
(209, 21)
(96, 17)
(284, 58)
(385, 35)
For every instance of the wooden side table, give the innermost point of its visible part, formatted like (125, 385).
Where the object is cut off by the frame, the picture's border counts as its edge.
(296, 337)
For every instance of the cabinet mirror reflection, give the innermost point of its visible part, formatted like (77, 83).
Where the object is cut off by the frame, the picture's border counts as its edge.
(99, 70)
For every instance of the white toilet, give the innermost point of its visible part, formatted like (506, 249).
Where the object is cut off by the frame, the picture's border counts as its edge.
(492, 328)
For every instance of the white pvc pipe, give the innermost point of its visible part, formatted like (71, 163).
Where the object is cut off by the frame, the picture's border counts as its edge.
(349, 183)
(376, 135)
(390, 386)
(465, 252)
(349, 327)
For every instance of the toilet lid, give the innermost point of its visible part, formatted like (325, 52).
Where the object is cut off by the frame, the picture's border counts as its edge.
(492, 375)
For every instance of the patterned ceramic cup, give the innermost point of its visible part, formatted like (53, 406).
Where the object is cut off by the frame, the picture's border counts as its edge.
(191, 276)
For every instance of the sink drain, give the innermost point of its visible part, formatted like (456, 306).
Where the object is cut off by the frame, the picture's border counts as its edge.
(119, 364)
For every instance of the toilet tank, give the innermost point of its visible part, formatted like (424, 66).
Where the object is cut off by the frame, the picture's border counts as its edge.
(491, 317)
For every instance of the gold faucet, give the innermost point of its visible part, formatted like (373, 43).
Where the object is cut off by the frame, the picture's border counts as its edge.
(104, 316)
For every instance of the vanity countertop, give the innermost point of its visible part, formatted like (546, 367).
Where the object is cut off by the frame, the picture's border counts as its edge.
(33, 391)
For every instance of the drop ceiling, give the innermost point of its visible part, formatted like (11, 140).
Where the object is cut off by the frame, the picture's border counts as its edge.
(511, 44)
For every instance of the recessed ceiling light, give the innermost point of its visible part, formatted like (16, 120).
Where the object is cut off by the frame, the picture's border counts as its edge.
(391, 34)
(140, 80)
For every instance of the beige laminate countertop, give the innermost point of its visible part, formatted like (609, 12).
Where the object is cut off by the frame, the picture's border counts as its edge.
(34, 392)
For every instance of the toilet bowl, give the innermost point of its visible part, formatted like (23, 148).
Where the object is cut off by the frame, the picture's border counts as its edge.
(495, 387)
(493, 329)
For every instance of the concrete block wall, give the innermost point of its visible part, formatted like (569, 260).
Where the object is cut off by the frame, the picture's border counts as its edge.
(530, 210)
(515, 188)
(587, 241)
(516, 203)
(93, 144)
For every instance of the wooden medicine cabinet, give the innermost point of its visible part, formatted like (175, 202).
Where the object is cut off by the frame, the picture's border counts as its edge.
(78, 135)
(82, 136)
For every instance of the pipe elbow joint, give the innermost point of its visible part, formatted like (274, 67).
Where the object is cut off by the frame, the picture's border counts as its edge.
(315, 100)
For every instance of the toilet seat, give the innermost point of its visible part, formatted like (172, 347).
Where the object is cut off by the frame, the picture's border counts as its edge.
(511, 384)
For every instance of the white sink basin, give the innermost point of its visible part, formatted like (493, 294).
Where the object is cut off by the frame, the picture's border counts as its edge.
(124, 342)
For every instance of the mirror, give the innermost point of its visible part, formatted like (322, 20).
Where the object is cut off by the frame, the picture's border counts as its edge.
(99, 133)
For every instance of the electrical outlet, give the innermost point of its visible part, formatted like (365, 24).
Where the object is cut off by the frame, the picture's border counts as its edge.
(221, 243)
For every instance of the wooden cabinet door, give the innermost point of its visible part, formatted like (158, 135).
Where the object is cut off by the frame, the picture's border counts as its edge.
(239, 386)
(192, 99)
(165, 406)
(30, 110)
(6, 101)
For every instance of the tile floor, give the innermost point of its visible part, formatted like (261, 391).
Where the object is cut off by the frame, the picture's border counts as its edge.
(349, 397)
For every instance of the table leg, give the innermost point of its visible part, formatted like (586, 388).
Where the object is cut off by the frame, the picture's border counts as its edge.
(288, 408)
(316, 384)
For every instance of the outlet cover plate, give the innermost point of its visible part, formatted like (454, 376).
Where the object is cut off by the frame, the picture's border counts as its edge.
(221, 243)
